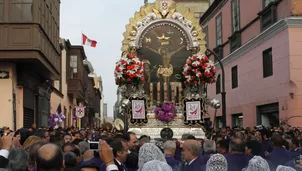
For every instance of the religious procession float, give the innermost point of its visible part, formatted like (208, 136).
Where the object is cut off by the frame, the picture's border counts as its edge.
(163, 72)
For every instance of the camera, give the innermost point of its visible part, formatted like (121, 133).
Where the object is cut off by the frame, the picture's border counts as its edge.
(93, 145)
(259, 127)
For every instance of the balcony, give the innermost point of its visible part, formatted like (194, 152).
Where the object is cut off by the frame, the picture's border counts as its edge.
(76, 89)
(29, 43)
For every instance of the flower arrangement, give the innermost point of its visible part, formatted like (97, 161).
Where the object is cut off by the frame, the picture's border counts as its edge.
(56, 120)
(165, 112)
(129, 70)
(199, 70)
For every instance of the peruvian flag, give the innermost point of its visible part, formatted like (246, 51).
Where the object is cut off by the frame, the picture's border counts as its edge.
(88, 42)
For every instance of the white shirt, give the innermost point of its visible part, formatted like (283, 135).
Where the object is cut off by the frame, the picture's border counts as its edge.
(119, 162)
(111, 167)
(192, 161)
(4, 153)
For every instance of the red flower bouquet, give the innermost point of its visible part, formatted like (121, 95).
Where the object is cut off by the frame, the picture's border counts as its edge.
(129, 70)
(199, 70)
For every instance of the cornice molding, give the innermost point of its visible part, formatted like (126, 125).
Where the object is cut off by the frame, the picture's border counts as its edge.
(261, 38)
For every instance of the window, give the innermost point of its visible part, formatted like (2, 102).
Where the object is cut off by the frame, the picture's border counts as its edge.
(219, 30)
(235, 15)
(1, 10)
(74, 66)
(268, 16)
(21, 11)
(206, 38)
(218, 85)
(237, 120)
(219, 123)
(267, 62)
(235, 41)
(267, 2)
(219, 52)
(234, 77)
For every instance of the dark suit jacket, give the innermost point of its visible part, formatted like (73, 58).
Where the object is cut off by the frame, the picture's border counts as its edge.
(275, 158)
(3, 162)
(194, 166)
(121, 167)
(132, 161)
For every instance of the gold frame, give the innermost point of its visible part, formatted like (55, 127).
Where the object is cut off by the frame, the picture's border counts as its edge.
(155, 8)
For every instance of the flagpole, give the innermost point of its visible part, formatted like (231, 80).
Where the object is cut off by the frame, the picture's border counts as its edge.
(82, 37)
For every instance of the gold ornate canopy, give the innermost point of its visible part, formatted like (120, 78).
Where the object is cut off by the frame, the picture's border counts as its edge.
(164, 11)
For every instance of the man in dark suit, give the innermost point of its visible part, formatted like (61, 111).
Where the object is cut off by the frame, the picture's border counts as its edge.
(132, 158)
(106, 155)
(120, 151)
(278, 150)
(191, 152)
(6, 144)
(237, 159)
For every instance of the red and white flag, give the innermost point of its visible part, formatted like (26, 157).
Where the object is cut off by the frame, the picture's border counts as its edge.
(88, 42)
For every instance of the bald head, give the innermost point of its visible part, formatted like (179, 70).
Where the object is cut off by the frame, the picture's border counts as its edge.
(89, 154)
(192, 142)
(237, 146)
(193, 146)
(49, 156)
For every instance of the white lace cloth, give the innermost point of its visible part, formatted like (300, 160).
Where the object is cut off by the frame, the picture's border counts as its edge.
(217, 162)
(156, 165)
(257, 163)
(149, 152)
(284, 168)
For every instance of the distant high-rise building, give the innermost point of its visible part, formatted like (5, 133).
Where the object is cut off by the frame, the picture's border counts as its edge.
(117, 107)
(105, 110)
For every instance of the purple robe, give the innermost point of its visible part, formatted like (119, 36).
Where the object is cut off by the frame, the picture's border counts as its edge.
(236, 162)
(175, 164)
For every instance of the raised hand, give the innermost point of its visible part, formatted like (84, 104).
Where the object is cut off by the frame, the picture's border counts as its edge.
(106, 153)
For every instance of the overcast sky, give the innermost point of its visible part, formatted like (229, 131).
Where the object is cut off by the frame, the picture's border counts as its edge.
(103, 21)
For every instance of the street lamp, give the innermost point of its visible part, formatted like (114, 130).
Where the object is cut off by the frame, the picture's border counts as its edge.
(125, 108)
(223, 93)
(216, 105)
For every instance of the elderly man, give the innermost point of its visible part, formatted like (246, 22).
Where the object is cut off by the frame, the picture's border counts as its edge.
(169, 150)
(209, 148)
(49, 157)
(237, 159)
(17, 160)
(191, 152)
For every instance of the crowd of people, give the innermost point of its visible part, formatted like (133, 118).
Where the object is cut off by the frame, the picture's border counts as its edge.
(91, 149)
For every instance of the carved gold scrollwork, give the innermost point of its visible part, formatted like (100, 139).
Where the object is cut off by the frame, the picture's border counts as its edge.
(150, 13)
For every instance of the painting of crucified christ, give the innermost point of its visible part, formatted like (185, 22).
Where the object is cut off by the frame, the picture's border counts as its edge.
(165, 47)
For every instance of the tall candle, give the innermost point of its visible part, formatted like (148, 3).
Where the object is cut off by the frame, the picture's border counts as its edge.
(158, 92)
(165, 91)
(151, 94)
(179, 93)
(172, 91)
